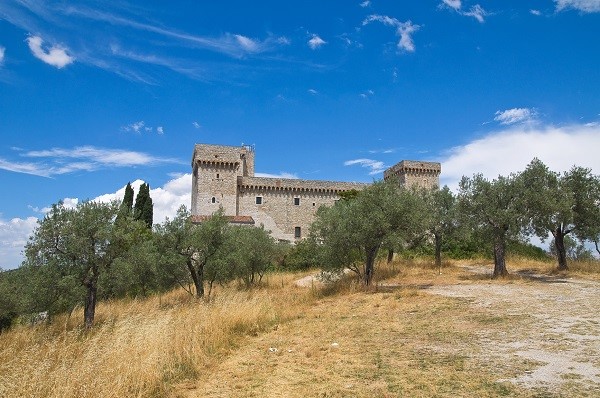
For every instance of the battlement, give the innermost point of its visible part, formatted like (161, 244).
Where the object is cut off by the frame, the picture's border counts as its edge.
(223, 178)
(297, 185)
(415, 173)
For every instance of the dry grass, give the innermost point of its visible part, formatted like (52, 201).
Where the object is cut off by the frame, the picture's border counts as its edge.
(138, 348)
(393, 340)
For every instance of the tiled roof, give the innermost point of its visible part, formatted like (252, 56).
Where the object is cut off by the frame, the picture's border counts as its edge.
(230, 219)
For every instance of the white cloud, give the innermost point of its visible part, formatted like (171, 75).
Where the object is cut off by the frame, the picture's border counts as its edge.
(537, 13)
(58, 161)
(166, 199)
(316, 42)
(14, 234)
(454, 4)
(510, 150)
(367, 94)
(312, 91)
(2, 51)
(247, 44)
(515, 115)
(404, 30)
(581, 5)
(140, 126)
(365, 3)
(476, 11)
(375, 166)
(283, 174)
(196, 125)
(56, 55)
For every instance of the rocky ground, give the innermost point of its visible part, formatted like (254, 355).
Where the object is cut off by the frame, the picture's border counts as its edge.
(561, 339)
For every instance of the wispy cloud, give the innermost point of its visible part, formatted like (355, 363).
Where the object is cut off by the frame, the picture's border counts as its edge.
(365, 3)
(374, 166)
(316, 42)
(588, 6)
(515, 115)
(476, 11)
(57, 161)
(56, 55)
(537, 13)
(196, 125)
(510, 150)
(130, 32)
(160, 130)
(312, 91)
(140, 127)
(367, 94)
(404, 30)
(2, 50)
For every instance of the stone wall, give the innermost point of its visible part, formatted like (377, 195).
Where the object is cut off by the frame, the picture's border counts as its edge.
(412, 173)
(283, 205)
(223, 176)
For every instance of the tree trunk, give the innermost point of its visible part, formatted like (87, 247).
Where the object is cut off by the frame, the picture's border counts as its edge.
(500, 257)
(561, 253)
(198, 283)
(90, 303)
(438, 251)
(390, 255)
(370, 265)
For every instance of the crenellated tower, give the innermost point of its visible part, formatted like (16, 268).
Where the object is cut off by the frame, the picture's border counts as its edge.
(411, 173)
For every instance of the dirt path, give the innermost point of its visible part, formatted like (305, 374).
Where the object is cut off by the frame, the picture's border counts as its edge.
(562, 338)
(539, 336)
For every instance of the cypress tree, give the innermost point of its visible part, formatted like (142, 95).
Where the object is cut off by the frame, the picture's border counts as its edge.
(143, 208)
(128, 198)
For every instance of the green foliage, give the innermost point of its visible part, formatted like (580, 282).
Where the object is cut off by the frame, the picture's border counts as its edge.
(495, 211)
(143, 208)
(561, 205)
(353, 231)
(304, 255)
(71, 250)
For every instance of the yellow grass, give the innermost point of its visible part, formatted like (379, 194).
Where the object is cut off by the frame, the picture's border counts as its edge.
(137, 348)
(394, 340)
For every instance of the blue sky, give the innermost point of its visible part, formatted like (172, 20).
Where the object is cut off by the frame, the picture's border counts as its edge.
(94, 94)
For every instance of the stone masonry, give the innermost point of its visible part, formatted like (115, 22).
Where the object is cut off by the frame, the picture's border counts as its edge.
(223, 176)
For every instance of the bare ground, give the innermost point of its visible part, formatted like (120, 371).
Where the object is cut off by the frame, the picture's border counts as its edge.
(536, 336)
(561, 337)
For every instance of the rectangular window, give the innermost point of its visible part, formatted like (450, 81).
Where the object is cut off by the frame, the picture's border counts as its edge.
(259, 200)
(297, 201)
(297, 233)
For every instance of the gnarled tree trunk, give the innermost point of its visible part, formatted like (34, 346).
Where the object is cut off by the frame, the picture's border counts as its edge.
(561, 252)
(500, 256)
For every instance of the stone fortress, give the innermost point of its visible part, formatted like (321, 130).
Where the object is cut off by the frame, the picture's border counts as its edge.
(223, 176)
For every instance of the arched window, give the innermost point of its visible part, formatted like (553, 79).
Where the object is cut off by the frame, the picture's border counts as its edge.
(213, 200)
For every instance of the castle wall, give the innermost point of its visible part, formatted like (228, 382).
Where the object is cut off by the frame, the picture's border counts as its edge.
(411, 173)
(287, 204)
(223, 176)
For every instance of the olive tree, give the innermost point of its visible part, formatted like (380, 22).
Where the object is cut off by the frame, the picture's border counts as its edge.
(77, 244)
(562, 205)
(353, 230)
(494, 209)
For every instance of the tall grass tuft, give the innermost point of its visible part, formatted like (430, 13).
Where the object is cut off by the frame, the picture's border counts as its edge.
(137, 348)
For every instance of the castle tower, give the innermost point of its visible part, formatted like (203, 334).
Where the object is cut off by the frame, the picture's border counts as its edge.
(216, 169)
(412, 173)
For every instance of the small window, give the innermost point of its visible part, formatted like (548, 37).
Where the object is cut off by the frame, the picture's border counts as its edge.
(213, 200)
(297, 232)
(314, 204)
(259, 200)
(217, 176)
(297, 201)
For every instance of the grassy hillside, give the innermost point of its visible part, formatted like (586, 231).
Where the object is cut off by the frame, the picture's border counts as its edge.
(393, 340)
